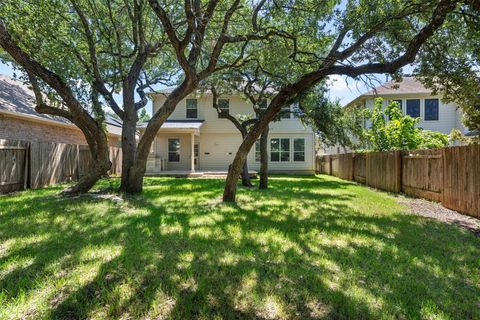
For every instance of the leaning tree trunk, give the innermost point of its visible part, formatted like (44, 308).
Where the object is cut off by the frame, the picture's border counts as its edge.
(234, 171)
(230, 191)
(264, 159)
(101, 164)
(246, 181)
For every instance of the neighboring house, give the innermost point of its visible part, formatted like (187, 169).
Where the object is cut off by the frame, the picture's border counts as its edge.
(416, 101)
(195, 139)
(20, 121)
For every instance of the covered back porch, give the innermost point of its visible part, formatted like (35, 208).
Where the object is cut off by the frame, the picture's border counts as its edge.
(175, 149)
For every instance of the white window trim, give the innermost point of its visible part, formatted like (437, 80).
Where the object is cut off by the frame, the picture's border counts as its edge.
(218, 102)
(187, 108)
(280, 152)
(304, 150)
(255, 152)
(179, 151)
(421, 106)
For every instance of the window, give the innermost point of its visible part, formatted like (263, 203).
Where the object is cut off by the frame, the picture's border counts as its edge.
(400, 103)
(224, 105)
(174, 150)
(279, 150)
(299, 150)
(296, 111)
(431, 109)
(285, 113)
(413, 108)
(257, 151)
(192, 109)
(262, 105)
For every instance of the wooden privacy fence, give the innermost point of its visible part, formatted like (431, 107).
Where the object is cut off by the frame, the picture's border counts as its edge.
(39, 164)
(448, 175)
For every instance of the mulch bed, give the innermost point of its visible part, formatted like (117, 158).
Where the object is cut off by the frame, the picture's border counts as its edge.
(437, 211)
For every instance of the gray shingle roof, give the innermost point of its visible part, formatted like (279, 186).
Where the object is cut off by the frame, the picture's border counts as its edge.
(17, 97)
(406, 86)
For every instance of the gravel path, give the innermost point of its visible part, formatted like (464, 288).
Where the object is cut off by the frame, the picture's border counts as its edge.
(437, 211)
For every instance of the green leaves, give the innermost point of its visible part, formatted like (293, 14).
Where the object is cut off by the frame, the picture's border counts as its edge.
(390, 130)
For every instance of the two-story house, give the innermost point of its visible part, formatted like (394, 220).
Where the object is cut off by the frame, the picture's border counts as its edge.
(415, 100)
(194, 139)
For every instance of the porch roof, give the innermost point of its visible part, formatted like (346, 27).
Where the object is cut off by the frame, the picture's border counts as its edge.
(177, 125)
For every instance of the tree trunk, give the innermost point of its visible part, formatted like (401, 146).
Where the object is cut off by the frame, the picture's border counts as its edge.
(230, 191)
(95, 173)
(134, 181)
(246, 182)
(101, 164)
(234, 171)
(129, 148)
(264, 159)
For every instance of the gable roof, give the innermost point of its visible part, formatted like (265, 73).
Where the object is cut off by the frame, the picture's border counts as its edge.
(16, 98)
(408, 85)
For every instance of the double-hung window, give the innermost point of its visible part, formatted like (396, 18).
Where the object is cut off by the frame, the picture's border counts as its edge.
(413, 108)
(262, 107)
(285, 113)
(174, 150)
(431, 109)
(257, 151)
(280, 150)
(192, 108)
(224, 105)
(299, 149)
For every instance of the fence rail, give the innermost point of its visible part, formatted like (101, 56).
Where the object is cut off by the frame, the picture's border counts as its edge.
(39, 164)
(448, 175)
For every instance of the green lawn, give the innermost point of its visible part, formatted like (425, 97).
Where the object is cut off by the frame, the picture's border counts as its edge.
(310, 247)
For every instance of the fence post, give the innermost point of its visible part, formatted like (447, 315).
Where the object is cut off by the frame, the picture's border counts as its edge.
(398, 171)
(330, 165)
(352, 166)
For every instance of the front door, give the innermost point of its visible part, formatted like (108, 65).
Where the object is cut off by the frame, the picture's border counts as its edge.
(196, 152)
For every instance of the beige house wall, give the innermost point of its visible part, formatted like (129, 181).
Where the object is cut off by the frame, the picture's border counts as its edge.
(219, 139)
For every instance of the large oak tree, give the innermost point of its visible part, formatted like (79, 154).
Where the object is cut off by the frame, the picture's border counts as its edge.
(362, 37)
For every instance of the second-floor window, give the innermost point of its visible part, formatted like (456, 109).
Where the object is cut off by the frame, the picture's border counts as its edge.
(431, 109)
(192, 108)
(262, 106)
(224, 105)
(285, 113)
(413, 108)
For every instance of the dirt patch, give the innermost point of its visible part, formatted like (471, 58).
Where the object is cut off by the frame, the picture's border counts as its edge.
(437, 211)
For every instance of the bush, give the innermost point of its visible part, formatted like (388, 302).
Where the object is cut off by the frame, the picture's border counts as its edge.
(391, 130)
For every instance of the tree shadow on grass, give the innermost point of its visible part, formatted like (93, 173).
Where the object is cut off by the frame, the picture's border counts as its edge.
(176, 252)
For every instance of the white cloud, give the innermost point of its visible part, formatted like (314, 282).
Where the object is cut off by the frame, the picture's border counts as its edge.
(345, 89)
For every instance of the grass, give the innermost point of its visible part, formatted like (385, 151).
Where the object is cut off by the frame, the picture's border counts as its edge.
(310, 247)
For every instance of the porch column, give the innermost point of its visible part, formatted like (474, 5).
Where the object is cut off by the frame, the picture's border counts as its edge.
(192, 152)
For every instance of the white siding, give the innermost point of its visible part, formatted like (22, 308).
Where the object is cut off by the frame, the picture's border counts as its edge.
(219, 139)
(238, 106)
(448, 118)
